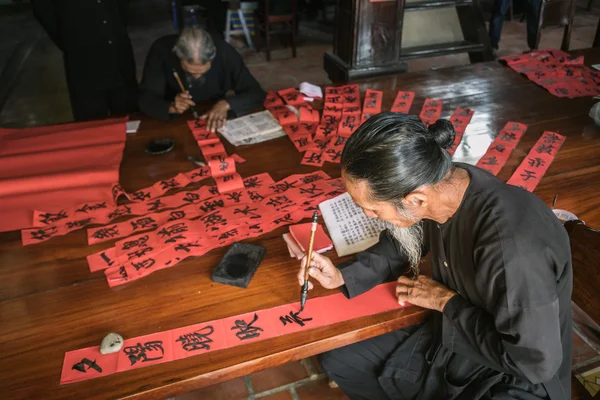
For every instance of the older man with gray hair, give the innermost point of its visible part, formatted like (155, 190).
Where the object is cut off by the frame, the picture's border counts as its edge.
(209, 68)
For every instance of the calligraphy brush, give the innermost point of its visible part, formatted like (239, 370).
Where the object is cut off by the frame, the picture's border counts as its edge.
(554, 201)
(313, 230)
(176, 75)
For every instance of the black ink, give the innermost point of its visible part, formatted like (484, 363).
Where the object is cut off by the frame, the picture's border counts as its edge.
(144, 223)
(106, 233)
(78, 224)
(499, 148)
(139, 253)
(247, 211)
(141, 242)
(155, 205)
(81, 366)
(542, 148)
(50, 218)
(173, 229)
(143, 264)
(528, 175)
(536, 162)
(491, 160)
(186, 246)
(508, 136)
(282, 187)
(236, 197)
(191, 197)
(175, 215)
(247, 330)
(293, 318)
(211, 205)
(140, 195)
(198, 340)
(139, 351)
(92, 207)
(119, 212)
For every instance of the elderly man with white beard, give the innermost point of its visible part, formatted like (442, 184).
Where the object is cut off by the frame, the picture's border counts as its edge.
(501, 280)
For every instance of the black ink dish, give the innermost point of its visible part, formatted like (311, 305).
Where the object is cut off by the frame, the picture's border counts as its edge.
(159, 146)
(239, 264)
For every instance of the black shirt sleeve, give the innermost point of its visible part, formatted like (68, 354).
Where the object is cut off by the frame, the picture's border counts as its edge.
(381, 262)
(152, 88)
(249, 95)
(44, 12)
(519, 331)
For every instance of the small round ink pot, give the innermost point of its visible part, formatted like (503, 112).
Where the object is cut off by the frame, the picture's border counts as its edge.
(159, 146)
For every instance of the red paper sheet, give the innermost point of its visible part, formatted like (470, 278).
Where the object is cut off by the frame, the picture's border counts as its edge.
(292, 97)
(499, 151)
(431, 111)
(373, 101)
(54, 168)
(403, 102)
(537, 162)
(460, 119)
(272, 100)
(228, 183)
(307, 114)
(228, 332)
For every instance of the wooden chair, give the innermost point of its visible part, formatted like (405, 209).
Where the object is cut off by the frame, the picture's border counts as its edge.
(276, 18)
(556, 12)
(585, 252)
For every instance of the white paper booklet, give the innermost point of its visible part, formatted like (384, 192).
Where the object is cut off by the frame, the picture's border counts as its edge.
(350, 229)
(253, 128)
(311, 90)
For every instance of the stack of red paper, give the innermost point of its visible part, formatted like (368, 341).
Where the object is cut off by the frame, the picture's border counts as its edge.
(299, 236)
(558, 72)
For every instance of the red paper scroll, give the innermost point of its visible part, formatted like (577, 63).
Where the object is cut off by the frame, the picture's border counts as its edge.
(431, 111)
(201, 338)
(272, 100)
(292, 97)
(557, 72)
(372, 106)
(537, 162)
(460, 119)
(501, 148)
(403, 102)
(55, 168)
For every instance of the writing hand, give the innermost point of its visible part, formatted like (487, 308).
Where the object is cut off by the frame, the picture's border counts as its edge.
(183, 101)
(423, 292)
(323, 270)
(217, 116)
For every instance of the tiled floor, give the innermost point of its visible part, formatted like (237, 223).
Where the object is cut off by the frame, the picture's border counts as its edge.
(38, 96)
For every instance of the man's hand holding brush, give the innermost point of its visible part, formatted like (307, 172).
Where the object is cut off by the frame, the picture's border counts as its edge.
(322, 269)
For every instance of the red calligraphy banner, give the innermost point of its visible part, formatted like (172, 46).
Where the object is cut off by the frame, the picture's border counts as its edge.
(537, 162)
(292, 97)
(209, 336)
(501, 148)
(460, 119)
(403, 102)
(431, 111)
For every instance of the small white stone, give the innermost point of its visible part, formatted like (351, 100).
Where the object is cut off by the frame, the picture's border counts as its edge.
(111, 343)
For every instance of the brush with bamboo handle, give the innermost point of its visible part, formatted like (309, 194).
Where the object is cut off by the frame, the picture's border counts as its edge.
(176, 75)
(304, 290)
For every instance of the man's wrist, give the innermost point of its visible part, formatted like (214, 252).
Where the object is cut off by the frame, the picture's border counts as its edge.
(447, 297)
(340, 278)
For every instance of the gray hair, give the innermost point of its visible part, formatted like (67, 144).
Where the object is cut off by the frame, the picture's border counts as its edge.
(195, 46)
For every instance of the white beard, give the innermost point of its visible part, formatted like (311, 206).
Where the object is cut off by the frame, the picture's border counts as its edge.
(411, 242)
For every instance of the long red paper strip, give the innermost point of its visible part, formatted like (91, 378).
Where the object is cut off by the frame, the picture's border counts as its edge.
(431, 111)
(208, 336)
(460, 119)
(372, 105)
(403, 102)
(499, 151)
(537, 162)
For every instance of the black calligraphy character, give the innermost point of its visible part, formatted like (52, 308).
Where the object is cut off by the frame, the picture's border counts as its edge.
(140, 195)
(213, 219)
(119, 212)
(186, 246)
(327, 129)
(191, 197)
(371, 104)
(340, 141)
(78, 224)
(106, 233)
(252, 183)
(542, 148)
(139, 253)
(143, 264)
(141, 242)
(282, 187)
(227, 178)
(92, 207)
(528, 175)
(211, 205)
(508, 136)
(169, 184)
(311, 178)
(551, 138)
(155, 205)
(314, 158)
(491, 160)
(236, 197)
(294, 318)
(351, 110)
(349, 99)
(294, 128)
(173, 230)
(174, 239)
(255, 196)
(198, 340)
(247, 330)
(536, 162)
(247, 211)
(335, 99)
(123, 273)
(400, 104)
(313, 191)
(144, 223)
(287, 218)
(255, 228)
(50, 218)
(107, 260)
(301, 142)
(175, 215)
(213, 190)
(279, 201)
(499, 148)
(81, 366)
(308, 127)
(291, 97)
(429, 113)
(200, 174)
(224, 165)
(140, 351)
(229, 234)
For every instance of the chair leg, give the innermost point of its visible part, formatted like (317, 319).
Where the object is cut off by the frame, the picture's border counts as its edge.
(245, 28)
(228, 27)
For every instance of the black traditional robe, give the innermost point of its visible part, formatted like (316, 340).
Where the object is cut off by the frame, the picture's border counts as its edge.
(508, 258)
(227, 73)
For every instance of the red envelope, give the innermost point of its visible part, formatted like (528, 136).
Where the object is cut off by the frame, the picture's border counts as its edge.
(198, 339)
(145, 350)
(88, 363)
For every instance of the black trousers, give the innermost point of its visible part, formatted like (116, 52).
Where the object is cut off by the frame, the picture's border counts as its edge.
(89, 103)
(400, 365)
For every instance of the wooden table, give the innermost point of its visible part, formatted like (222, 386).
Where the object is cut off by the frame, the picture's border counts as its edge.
(50, 303)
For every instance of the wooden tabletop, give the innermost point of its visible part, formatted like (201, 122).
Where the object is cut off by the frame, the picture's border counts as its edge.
(50, 303)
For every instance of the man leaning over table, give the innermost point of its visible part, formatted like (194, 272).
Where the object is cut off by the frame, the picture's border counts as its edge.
(208, 67)
(501, 284)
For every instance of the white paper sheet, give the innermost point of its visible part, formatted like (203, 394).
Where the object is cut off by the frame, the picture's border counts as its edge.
(350, 229)
(250, 129)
